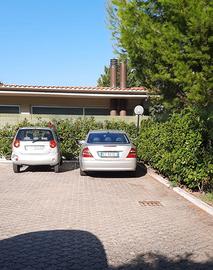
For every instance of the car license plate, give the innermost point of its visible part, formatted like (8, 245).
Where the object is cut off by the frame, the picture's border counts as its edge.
(34, 147)
(109, 154)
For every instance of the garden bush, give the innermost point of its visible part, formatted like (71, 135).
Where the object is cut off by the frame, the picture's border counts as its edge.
(179, 149)
(70, 130)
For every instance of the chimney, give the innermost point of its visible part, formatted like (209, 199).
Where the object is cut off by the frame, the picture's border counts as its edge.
(123, 74)
(113, 72)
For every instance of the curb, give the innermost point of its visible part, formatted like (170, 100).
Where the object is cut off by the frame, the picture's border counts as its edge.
(5, 161)
(204, 206)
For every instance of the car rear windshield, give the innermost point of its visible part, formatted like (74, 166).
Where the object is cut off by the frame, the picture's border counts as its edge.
(34, 135)
(115, 138)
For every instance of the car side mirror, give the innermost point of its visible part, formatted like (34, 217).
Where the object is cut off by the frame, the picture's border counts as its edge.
(80, 142)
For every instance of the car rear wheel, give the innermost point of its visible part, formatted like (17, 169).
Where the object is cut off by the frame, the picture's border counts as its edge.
(83, 173)
(16, 168)
(57, 168)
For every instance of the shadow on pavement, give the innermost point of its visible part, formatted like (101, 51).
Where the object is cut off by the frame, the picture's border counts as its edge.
(79, 250)
(66, 166)
(154, 261)
(69, 165)
(74, 164)
(141, 170)
(51, 250)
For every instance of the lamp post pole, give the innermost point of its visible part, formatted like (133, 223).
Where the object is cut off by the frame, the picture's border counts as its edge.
(139, 110)
(138, 121)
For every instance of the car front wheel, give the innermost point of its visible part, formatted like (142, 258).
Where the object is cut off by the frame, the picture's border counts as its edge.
(82, 173)
(16, 168)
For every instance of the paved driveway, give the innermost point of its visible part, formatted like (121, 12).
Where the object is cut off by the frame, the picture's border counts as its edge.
(65, 221)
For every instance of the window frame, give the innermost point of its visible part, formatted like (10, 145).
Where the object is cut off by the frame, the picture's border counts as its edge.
(11, 105)
(52, 107)
(64, 107)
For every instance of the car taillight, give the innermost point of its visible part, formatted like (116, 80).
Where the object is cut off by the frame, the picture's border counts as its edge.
(86, 153)
(16, 143)
(132, 153)
(53, 144)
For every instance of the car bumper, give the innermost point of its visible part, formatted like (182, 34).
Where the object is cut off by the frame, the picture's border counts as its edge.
(110, 165)
(29, 160)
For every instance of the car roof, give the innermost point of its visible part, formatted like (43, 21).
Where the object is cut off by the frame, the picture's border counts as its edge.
(44, 128)
(107, 131)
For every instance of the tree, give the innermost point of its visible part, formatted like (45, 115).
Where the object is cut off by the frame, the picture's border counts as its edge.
(132, 80)
(169, 43)
(104, 79)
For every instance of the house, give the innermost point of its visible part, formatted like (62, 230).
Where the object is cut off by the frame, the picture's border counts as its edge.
(73, 100)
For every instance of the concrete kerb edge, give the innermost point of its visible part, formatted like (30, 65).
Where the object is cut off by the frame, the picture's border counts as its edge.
(5, 161)
(204, 206)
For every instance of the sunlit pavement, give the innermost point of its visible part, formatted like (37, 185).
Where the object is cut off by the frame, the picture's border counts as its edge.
(102, 221)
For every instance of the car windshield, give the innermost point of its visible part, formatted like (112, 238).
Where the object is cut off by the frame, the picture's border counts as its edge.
(34, 135)
(111, 138)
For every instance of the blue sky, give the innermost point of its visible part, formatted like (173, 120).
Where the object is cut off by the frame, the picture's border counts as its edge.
(53, 42)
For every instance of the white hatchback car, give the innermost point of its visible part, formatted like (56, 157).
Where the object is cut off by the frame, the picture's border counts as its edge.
(36, 146)
(107, 150)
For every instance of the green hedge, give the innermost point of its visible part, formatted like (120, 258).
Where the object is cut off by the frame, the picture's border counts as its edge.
(179, 149)
(70, 130)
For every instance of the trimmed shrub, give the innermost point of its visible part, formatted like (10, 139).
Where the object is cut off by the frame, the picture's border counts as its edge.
(70, 130)
(73, 130)
(178, 149)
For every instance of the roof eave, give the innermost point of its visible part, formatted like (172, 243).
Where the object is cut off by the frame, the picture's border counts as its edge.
(71, 94)
(63, 89)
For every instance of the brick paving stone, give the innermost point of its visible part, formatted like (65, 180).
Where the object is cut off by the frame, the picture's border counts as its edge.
(66, 221)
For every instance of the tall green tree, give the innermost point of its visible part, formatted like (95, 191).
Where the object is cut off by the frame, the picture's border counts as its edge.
(132, 80)
(169, 43)
(104, 79)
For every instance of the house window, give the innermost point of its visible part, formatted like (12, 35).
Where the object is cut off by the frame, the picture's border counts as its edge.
(57, 110)
(9, 109)
(96, 111)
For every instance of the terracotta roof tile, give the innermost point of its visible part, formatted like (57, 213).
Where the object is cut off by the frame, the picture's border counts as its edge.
(82, 89)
